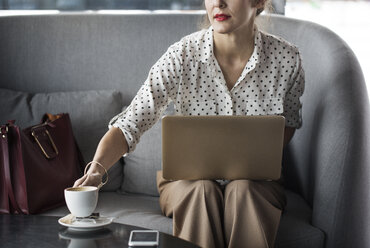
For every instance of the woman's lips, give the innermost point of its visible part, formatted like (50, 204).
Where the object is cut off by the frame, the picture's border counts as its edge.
(221, 17)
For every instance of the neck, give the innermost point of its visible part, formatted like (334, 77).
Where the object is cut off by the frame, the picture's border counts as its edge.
(235, 46)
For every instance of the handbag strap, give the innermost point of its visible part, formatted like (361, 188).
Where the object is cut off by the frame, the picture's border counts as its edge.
(44, 140)
(6, 166)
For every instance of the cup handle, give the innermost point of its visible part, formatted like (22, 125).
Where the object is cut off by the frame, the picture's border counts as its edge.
(105, 171)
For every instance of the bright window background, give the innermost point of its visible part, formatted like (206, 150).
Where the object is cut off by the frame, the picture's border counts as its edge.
(349, 19)
(101, 4)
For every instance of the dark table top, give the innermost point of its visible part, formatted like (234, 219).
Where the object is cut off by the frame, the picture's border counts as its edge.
(45, 231)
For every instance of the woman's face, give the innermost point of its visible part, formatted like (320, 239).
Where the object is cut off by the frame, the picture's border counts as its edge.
(227, 16)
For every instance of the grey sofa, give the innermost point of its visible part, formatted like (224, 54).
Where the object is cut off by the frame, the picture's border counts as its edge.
(91, 65)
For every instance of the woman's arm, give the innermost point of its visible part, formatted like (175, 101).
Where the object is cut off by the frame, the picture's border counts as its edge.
(111, 148)
(144, 111)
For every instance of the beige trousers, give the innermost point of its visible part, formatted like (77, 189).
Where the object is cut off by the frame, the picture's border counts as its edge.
(244, 213)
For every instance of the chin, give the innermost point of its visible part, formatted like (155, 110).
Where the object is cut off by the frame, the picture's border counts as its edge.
(222, 29)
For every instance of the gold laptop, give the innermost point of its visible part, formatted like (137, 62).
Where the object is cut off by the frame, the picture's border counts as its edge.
(222, 147)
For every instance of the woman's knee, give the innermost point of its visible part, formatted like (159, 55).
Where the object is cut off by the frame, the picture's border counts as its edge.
(181, 192)
(268, 190)
(240, 186)
(208, 188)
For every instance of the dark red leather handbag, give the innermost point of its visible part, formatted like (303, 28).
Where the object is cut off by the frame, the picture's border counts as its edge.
(37, 164)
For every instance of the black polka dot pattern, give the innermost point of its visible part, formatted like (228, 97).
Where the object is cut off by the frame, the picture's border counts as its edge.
(188, 74)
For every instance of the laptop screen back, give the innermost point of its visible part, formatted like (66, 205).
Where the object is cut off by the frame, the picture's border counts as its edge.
(222, 147)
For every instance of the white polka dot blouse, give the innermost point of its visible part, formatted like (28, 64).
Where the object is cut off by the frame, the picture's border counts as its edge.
(188, 74)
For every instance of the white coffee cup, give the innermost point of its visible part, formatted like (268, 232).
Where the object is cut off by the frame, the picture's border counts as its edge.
(81, 201)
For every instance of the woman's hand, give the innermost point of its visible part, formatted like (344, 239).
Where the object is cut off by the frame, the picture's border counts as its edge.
(111, 148)
(93, 177)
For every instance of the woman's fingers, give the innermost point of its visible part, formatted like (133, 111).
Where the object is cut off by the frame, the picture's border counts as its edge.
(89, 179)
(79, 181)
(92, 179)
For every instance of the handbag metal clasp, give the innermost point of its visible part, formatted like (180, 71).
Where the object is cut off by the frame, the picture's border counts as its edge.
(4, 130)
(51, 141)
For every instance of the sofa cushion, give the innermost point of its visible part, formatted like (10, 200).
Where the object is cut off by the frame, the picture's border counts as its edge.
(90, 112)
(141, 166)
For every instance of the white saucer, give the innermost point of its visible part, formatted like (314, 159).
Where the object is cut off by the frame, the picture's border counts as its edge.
(87, 226)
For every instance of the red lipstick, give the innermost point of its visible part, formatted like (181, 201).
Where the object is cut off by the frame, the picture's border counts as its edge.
(221, 17)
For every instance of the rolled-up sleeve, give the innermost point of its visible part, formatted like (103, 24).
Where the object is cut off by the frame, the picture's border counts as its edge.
(152, 98)
(292, 102)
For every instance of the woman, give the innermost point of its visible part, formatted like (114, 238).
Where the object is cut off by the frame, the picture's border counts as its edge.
(231, 68)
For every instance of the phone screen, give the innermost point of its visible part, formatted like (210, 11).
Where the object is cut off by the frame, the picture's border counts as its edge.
(144, 236)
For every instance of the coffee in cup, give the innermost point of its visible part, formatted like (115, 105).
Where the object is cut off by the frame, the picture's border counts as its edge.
(81, 201)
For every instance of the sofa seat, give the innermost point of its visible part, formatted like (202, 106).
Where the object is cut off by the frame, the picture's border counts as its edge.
(144, 211)
(298, 214)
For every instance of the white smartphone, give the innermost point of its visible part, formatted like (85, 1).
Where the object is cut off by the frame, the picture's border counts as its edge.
(144, 238)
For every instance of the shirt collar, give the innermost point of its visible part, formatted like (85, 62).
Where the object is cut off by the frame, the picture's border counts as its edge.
(205, 50)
